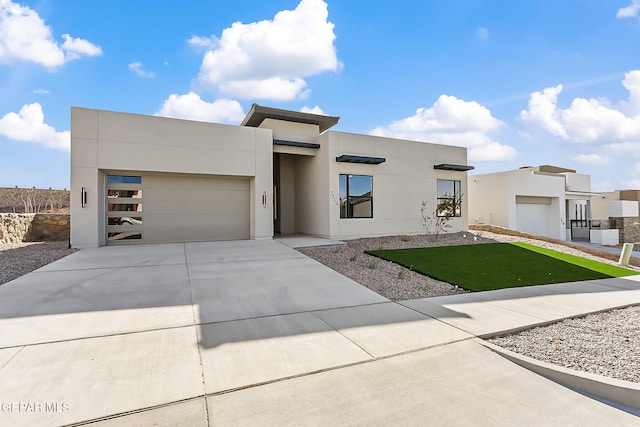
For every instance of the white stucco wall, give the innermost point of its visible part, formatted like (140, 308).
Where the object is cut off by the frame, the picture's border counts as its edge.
(577, 182)
(103, 141)
(494, 200)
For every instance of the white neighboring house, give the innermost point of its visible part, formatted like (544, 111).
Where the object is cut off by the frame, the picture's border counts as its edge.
(544, 200)
(146, 179)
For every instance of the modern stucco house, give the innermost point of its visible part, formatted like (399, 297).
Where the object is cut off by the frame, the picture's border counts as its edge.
(544, 200)
(147, 179)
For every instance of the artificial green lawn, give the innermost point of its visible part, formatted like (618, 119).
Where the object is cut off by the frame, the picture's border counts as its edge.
(499, 265)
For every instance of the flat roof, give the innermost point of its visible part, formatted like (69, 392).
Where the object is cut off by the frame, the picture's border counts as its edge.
(259, 113)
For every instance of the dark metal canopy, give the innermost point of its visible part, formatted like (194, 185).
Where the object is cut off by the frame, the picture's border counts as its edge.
(295, 144)
(452, 167)
(346, 158)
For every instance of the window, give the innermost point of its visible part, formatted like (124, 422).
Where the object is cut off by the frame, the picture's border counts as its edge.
(449, 198)
(356, 196)
(124, 179)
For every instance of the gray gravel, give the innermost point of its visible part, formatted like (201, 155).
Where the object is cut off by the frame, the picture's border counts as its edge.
(605, 343)
(17, 259)
(386, 278)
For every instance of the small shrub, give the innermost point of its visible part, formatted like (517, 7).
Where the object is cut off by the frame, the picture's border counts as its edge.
(352, 258)
(401, 274)
(405, 238)
(373, 265)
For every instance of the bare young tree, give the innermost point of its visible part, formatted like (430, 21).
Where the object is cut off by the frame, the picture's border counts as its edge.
(437, 222)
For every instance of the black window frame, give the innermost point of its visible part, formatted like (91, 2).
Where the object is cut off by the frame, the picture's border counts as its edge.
(345, 212)
(455, 198)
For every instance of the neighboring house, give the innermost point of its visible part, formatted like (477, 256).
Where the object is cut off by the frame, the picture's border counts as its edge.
(620, 209)
(144, 179)
(544, 200)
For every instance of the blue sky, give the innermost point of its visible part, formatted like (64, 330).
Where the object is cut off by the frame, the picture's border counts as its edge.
(517, 82)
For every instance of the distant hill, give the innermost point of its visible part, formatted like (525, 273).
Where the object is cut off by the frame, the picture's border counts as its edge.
(33, 200)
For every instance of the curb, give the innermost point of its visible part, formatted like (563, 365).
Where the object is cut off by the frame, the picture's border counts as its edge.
(612, 390)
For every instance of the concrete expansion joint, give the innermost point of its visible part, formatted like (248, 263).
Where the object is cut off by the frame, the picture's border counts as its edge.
(135, 411)
(339, 367)
(195, 327)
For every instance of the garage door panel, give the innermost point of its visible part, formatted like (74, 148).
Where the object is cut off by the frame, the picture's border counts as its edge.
(194, 182)
(193, 234)
(201, 220)
(197, 209)
(194, 197)
(186, 208)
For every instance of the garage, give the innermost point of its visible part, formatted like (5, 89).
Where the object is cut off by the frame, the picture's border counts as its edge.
(161, 208)
(533, 214)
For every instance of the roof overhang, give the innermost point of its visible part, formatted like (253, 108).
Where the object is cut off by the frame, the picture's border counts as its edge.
(347, 158)
(259, 113)
(453, 167)
(573, 194)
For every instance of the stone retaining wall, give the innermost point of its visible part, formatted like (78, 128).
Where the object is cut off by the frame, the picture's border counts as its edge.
(15, 228)
(629, 228)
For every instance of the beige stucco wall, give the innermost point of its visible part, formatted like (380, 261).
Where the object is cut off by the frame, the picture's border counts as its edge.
(312, 190)
(103, 141)
(400, 184)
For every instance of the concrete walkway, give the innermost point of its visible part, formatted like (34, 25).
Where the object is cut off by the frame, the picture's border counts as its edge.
(255, 333)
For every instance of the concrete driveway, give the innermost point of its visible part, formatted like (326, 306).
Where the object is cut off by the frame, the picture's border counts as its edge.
(255, 333)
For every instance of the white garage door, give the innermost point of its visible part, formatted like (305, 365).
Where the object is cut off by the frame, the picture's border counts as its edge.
(532, 218)
(158, 208)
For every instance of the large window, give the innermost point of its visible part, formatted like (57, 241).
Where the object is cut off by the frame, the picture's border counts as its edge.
(449, 198)
(356, 196)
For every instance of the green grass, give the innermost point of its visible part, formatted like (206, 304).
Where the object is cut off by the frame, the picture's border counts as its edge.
(499, 265)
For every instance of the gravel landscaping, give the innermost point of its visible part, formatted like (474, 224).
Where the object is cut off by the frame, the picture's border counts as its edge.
(17, 259)
(606, 343)
(399, 283)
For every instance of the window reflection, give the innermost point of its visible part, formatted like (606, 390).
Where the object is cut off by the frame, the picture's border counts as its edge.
(124, 220)
(131, 194)
(125, 235)
(449, 198)
(124, 179)
(124, 207)
(356, 196)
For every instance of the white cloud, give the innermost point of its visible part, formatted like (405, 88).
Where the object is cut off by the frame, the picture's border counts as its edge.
(270, 59)
(25, 36)
(592, 159)
(203, 42)
(192, 107)
(41, 91)
(313, 110)
(452, 121)
(586, 120)
(28, 125)
(136, 67)
(77, 47)
(483, 33)
(630, 11)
